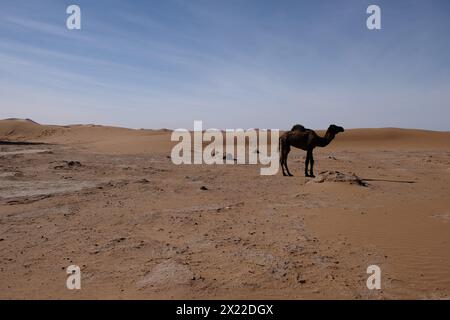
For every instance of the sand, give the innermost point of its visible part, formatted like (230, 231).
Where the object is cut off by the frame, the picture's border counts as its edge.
(110, 201)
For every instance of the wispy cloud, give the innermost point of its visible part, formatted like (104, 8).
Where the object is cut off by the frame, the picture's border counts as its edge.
(231, 63)
(37, 26)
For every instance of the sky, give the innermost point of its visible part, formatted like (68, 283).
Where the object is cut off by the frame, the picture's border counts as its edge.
(229, 63)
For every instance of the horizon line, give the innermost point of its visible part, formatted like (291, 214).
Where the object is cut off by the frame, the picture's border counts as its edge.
(220, 129)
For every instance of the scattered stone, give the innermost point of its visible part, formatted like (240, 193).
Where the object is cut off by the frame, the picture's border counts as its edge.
(336, 176)
(203, 188)
(68, 165)
(72, 163)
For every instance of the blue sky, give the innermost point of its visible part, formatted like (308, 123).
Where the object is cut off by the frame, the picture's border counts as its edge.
(232, 64)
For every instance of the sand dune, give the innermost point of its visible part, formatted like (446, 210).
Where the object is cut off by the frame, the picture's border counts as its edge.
(92, 137)
(393, 138)
(26, 129)
(123, 140)
(111, 201)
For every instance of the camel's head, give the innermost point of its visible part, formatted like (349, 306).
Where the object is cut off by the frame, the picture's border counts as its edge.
(335, 129)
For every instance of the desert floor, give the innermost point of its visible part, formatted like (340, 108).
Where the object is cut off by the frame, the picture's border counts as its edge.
(110, 201)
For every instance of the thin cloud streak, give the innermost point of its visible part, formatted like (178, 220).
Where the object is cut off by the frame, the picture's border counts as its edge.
(229, 63)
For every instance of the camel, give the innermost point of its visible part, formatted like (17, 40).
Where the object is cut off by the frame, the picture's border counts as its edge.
(305, 139)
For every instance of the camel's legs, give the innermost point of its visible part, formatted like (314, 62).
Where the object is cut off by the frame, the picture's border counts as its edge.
(311, 163)
(282, 146)
(284, 151)
(282, 161)
(285, 148)
(282, 154)
(306, 164)
(287, 169)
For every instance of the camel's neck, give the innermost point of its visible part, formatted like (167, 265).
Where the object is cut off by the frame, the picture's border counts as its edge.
(325, 140)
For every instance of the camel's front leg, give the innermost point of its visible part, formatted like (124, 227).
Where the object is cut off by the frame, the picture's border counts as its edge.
(306, 164)
(311, 163)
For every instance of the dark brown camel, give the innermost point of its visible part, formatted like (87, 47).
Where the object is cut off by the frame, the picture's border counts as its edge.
(305, 139)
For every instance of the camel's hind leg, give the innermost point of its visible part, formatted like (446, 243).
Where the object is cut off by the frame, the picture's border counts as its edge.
(285, 158)
(282, 162)
(281, 146)
(284, 151)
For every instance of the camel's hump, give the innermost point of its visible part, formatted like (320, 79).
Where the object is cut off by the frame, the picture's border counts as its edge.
(298, 127)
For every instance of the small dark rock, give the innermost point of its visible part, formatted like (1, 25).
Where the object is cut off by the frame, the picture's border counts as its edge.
(72, 163)
(203, 188)
(68, 164)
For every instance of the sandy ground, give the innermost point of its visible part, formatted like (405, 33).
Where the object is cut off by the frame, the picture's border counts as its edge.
(110, 201)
